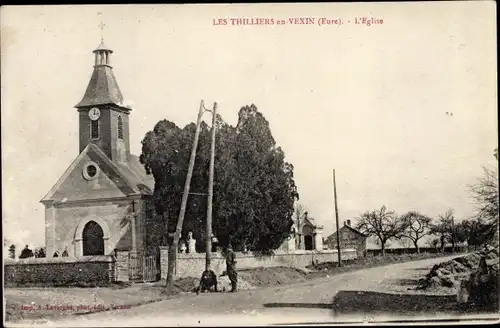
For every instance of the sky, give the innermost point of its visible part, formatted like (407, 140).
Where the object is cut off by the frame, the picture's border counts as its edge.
(367, 101)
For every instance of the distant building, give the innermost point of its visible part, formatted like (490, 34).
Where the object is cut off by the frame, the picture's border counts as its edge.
(310, 234)
(308, 237)
(349, 238)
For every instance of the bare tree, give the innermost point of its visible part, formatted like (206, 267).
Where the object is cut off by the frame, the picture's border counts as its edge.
(414, 226)
(434, 243)
(406, 243)
(445, 229)
(299, 212)
(382, 224)
(485, 195)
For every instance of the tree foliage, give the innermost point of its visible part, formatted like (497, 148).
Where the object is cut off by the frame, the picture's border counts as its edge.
(414, 226)
(254, 189)
(473, 231)
(12, 251)
(382, 224)
(445, 228)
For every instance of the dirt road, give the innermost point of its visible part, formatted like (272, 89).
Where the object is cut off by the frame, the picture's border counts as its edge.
(367, 295)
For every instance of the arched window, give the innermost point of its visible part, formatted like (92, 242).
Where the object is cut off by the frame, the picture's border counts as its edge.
(94, 129)
(120, 128)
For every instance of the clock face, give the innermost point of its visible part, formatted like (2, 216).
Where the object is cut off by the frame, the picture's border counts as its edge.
(94, 113)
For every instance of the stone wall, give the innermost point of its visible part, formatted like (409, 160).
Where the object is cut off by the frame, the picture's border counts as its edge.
(192, 265)
(59, 271)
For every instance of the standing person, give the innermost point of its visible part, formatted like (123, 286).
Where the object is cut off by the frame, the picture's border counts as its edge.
(231, 268)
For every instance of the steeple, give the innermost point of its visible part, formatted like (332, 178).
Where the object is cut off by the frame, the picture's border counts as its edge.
(102, 88)
(104, 119)
(102, 55)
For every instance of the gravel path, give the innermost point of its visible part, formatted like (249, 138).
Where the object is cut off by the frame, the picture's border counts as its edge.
(366, 295)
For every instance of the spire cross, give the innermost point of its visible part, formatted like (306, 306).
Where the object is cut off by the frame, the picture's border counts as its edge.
(101, 26)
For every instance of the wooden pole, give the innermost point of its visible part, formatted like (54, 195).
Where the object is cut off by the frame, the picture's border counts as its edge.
(208, 251)
(337, 218)
(132, 223)
(180, 221)
(453, 233)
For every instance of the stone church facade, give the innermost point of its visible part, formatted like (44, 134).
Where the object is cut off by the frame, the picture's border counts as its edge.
(103, 201)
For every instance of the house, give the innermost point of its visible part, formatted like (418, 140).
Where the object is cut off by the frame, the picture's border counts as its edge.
(349, 238)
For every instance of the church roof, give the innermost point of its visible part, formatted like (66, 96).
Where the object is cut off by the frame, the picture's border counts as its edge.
(102, 89)
(134, 171)
(128, 178)
(103, 47)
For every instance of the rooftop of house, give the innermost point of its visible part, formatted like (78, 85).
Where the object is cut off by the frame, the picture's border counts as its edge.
(347, 225)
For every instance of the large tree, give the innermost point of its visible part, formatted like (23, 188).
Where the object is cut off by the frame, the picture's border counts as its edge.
(382, 224)
(165, 155)
(414, 226)
(254, 189)
(262, 190)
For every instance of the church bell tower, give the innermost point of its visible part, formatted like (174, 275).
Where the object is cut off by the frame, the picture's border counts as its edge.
(104, 119)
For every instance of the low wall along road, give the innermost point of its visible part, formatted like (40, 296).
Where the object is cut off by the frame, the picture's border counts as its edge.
(103, 270)
(192, 265)
(59, 271)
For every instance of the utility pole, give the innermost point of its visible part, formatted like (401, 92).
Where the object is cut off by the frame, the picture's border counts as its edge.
(337, 218)
(133, 255)
(132, 223)
(298, 227)
(453, 235)
(208, 241)
(173, 250)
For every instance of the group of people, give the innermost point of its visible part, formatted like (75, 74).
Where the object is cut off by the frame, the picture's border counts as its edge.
(208, 279)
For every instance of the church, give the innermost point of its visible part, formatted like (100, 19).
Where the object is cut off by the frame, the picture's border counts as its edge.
(103, 201)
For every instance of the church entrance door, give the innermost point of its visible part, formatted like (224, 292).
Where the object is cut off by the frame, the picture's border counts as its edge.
(308, 242)
(93, 242)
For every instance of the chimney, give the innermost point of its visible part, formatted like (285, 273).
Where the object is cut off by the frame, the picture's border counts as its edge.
(345, 223)
(349, 223)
